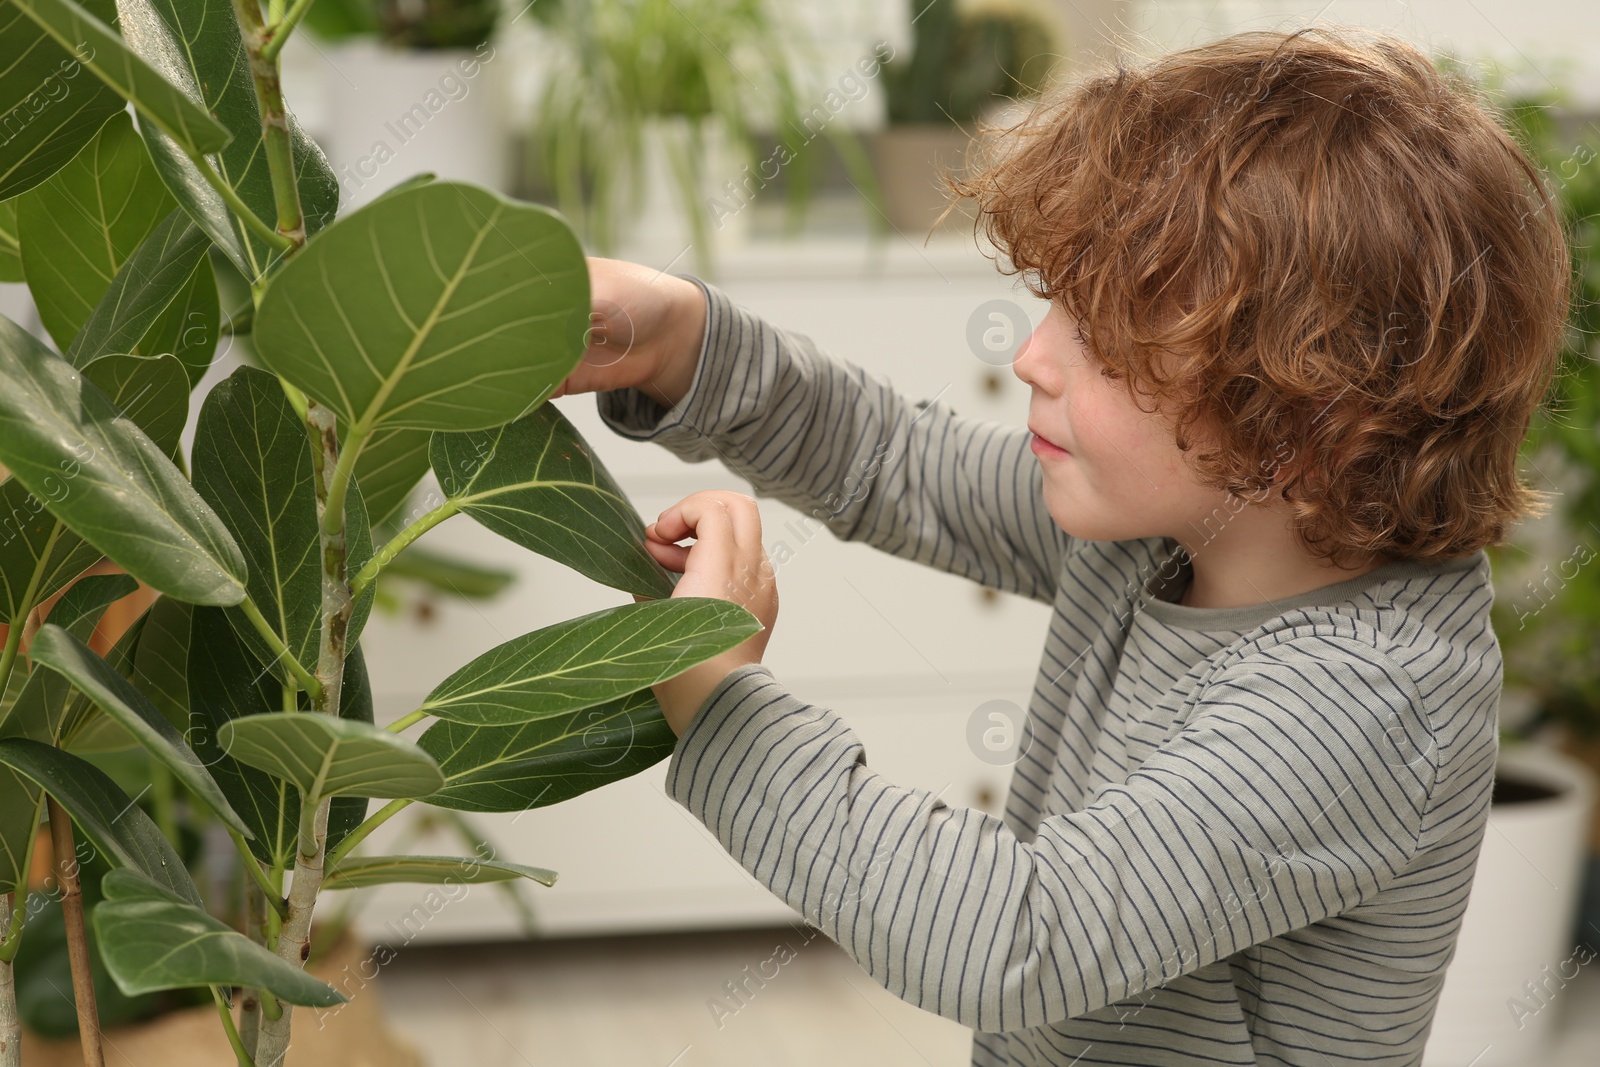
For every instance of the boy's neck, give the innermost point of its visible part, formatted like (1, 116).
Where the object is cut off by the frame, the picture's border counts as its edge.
(1257, 561)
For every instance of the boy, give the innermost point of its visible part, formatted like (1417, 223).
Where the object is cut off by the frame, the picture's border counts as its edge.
(1265, 719)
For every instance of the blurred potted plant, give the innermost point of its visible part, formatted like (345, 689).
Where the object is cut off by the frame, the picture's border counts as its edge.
(648, 125)
(1527, 927)
(415, 83)
(966, 61)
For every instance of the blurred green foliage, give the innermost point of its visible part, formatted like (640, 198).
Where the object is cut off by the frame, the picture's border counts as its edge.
(962, 62)
(407, 23)
(1548, 621)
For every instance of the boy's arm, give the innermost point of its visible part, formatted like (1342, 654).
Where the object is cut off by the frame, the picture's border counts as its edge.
(1294, 793)
(820, 434)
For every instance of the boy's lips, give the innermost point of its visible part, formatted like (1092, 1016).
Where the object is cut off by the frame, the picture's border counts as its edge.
(1043, 438)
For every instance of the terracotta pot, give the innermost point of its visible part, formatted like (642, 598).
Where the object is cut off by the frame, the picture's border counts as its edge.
(356, 1034)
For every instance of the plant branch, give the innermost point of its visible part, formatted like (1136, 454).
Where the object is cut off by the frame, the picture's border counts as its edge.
(274, 122)
(230, 196)
(398, 544)
(331, 474)
(359, 834)
(10, 1022)
(344, 471)
(278, 648)
(278, 32)
(77, 940)
(239, 1050)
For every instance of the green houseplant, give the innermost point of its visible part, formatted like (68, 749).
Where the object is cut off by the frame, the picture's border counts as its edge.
(630, 76)
(965, 61)
(423, 331)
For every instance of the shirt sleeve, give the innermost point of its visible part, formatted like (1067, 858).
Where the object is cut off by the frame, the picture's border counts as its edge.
(1294, 792)
(822, 435)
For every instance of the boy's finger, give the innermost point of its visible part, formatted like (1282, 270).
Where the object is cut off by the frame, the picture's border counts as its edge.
(706, 519)
(680, 520)
(672, 557)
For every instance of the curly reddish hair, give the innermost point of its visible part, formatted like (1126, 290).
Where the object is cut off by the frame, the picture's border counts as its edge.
(1307, 243)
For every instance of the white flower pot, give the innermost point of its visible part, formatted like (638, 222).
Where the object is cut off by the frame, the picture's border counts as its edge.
(392, 113)
(1502, 994)
(657, 226)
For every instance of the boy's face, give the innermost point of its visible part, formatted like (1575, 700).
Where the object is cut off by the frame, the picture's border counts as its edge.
(1122, 476)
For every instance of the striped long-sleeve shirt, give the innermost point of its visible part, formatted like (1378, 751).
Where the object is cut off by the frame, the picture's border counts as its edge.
(1238, 835)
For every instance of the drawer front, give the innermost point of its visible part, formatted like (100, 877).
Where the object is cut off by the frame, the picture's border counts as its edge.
(631, 858)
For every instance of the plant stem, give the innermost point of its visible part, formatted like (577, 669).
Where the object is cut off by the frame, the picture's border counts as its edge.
(230, 196)
(77, 940)
(277, 647)
(255, 928)
(332, 474)
(281, 30)
(8, 658)
(274, 122)
(373, 821)
(272, 896)
(239, 1050)
(401, 724)
(399, 543)
(343, 471)
(10, 1024)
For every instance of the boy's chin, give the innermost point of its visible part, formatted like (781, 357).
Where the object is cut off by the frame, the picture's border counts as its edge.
(1090, 527)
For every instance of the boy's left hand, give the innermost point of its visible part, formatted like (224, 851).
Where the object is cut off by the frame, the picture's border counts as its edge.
(726, 561)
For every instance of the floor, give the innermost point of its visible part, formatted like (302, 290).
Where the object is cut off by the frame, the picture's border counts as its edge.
(664, 1000)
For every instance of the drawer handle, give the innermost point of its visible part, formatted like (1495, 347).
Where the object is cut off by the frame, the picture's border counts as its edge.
(990, 597)
(992, 383)
(984, 797)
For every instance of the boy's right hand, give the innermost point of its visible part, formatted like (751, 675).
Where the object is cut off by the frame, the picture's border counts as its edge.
(645, 331)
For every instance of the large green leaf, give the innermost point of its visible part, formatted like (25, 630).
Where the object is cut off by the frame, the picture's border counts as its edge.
(534, 481)
(84, 728)
(146, 283)
(10, 249)
(37, 714)
(33, 542)
(195, 44)
(390, 464)
(191, 325)
(107, 815)
(515, 768)
(81, 226)
(157, 100)
(589, 659)
(224, 683)
(328, 757)
(48, 110)
(161, 661)
(125, 496)
(153, 941)
(152, 392)
(442, 307)
(253, 464)
(68, 656)
(355, 872)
